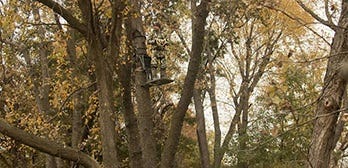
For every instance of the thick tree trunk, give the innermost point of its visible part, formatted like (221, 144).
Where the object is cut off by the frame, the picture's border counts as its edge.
(132, 129)
(106, 118)
(143, 98)
(201, 132)
(124, 72)
(330, 102)
(200, 14)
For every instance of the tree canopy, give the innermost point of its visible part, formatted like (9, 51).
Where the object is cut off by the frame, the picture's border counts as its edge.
(173, 83)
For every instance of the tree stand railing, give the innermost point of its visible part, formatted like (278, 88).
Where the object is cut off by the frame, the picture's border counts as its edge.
(155, 72)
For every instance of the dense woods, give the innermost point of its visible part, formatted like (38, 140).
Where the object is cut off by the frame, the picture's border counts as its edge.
(173, 83)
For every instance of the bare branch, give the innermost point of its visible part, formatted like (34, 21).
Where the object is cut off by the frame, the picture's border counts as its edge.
(182, 39)
(323, 57)
(315, 16)
(299, 20)
(264, 62)
(47, 24)
(74, 23)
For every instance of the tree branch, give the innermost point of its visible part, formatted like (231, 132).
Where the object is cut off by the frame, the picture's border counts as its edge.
(47, 146)
(299, 20)
(315, 16)
(74, 23)
(183, 42)
(327, 13)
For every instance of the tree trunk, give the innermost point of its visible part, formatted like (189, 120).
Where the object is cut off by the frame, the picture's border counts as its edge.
(132, 129)
(90, 28)
(336, 156)
(105, 96)
(135, 154)
(103, 73)
(242, 129)
(213, 102)
(144, 103)
(124, 72)
(200, 14)
(201, 132)
(330, 102)
(79, 98)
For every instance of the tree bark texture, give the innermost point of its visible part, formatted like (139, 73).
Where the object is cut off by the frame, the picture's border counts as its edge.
(135, 154)
(106, 117)
(142, 93)
(125, 73)
(330, 102)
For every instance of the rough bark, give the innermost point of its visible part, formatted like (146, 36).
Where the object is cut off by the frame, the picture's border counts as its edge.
(124, 71)
(198, 31)
(330, 102)
(106, 118)
(131, 122)
(144, 104)
(47, 146)
(201, 131)
(132, 129)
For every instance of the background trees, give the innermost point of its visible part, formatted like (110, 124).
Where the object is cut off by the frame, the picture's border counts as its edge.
(72, 83)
